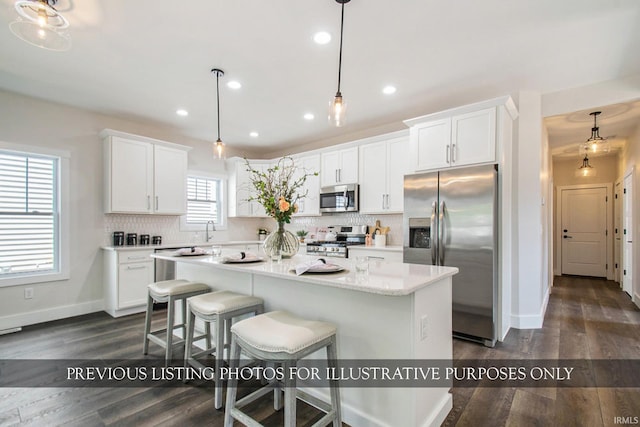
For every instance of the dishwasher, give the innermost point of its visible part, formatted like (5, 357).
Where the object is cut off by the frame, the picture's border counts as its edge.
(165, 270)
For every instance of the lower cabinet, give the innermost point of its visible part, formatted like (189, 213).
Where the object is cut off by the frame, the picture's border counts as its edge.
(127, 274)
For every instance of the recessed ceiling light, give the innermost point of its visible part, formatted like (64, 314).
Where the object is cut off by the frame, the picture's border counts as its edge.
(234, 85)
(388, 90)
(309, 116)
(322, 37)
(182, 112)
(254, 134)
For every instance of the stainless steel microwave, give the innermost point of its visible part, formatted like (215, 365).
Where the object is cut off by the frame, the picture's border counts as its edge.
(339, 198)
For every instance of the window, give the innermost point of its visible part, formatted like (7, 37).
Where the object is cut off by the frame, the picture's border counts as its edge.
(33, 232)
(204, 201)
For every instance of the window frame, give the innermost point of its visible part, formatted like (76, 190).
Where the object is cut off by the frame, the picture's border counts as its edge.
(62, 205)
(222, 201)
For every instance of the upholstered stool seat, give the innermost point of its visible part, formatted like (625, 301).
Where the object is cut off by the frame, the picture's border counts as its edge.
(282, 337)
(169, 291)
(220, 307)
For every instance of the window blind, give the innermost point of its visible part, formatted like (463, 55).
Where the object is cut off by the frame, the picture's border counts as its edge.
(203, 195)
(28, 213)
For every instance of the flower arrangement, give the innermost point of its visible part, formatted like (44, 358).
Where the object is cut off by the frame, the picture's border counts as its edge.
(279, 188)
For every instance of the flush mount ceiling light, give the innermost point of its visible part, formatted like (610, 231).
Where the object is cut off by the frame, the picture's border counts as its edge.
(586, 169)
(218, 147)
(322, 37)
(41, 25)
(595, 143)
(338, 106)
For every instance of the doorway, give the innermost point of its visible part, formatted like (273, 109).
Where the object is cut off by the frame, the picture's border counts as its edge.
(584, 222)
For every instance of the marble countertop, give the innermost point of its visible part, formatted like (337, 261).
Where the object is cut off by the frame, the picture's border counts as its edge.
(181, 245)
(384, 277)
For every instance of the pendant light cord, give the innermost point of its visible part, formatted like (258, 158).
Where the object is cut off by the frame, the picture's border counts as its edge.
(340, 57)
(218, 100)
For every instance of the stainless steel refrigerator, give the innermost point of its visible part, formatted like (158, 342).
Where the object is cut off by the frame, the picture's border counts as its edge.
(450, 218)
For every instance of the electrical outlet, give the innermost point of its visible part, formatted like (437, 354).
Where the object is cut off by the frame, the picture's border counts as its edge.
(28, 293)
(424, 327)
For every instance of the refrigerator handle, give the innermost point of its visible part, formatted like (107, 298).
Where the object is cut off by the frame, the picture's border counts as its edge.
(441, 237)
(434, 242)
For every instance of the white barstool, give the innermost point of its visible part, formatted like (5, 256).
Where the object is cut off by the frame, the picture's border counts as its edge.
(220, 307)
(281, 337)
(169, 291)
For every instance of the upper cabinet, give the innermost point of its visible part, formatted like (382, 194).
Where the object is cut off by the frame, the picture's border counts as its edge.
(459, 137)
(143, 175)
(310, 204)
(241, 189)
(383, 165)
(339, 167)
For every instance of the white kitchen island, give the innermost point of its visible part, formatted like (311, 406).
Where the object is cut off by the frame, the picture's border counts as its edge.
(398, 311)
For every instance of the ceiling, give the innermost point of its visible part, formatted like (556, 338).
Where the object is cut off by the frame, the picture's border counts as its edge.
(144, 59)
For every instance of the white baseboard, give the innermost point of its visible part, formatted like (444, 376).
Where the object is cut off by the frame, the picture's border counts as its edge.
(438, 417)
(47, 315)
(636, 299)
(531, 321)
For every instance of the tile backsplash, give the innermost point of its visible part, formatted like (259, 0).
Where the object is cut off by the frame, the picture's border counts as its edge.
(168, 226)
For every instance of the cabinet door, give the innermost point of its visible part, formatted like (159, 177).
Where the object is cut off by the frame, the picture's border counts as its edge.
(132, 283)
(431, 144)
(348, 172)
(398, 165)
(131, 183)
(244, 190)
(330, 164)
(170, 181)
(309, 205)
(474, 138)
(373, 177)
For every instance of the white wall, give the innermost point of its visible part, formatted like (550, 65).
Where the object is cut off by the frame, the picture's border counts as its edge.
(631, 159)
(30, 122)
(529, 295)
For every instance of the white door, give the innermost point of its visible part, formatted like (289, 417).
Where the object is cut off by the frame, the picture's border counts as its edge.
(131, 176)
(431, 144)
(627, 235)
(398, 166)
(584, 226)
(373, 177)
(617, 232)
(330, 164)
(170, 180)
(348, 173)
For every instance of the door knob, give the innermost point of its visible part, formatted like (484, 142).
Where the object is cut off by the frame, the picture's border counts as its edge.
(565, 230)
(567, 237)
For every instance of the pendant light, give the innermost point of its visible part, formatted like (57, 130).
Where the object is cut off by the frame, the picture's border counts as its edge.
(218, 147)
(338, 107)
(586, 170)
(595, 143)
(41, 25)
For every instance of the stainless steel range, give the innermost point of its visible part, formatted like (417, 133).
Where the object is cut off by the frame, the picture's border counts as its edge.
(337, 240)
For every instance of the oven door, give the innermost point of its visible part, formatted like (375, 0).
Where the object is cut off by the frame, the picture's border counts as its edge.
(339, 198)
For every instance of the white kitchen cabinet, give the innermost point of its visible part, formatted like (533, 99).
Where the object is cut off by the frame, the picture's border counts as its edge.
(457, 140)
(339, 167)
(127, 274)
(382, 168)
(376, 254)
(309, 205)
(241, 189)
(143, 175)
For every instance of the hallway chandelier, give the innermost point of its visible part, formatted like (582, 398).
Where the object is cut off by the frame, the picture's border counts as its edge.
(41, 25)
(595, 143)
(218, 146)
(338, 107)
(586, 170)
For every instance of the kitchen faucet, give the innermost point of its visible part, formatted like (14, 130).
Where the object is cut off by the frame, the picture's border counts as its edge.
(209, 237)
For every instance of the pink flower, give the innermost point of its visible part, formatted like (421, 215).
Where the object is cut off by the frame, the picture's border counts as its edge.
(283, 204)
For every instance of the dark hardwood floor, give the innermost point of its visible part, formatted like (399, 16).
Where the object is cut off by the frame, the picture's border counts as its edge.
(585, 319)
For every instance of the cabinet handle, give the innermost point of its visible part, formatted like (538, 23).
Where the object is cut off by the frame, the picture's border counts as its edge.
(336, 175)
(453, 153)
(383, 201)
(340, 175)
(375, 257)
(148, 203)
(387, 201)
(136, 257)
(136, 268)
(156, 202)
(448, 152)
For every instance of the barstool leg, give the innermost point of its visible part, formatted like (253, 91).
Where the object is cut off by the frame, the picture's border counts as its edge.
(289, 396)
(220, 333)
(170, 321)
(147, 325)
(334, 387)
(232, 384)
(191, 320)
